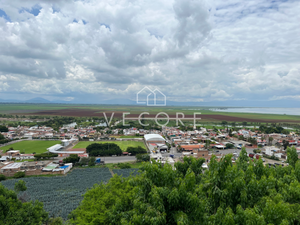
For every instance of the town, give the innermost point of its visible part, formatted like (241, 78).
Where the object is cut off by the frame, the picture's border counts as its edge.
(165, 145)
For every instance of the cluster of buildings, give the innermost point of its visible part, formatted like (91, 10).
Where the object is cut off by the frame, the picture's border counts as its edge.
(9, 168)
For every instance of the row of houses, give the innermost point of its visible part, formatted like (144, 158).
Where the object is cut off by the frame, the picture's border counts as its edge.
(34, 168)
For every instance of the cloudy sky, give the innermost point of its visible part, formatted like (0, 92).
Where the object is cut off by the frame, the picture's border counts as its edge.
(192, 50)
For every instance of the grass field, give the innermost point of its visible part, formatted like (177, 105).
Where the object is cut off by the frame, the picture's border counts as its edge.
(130, 137)
(31, 146)
(123, 144)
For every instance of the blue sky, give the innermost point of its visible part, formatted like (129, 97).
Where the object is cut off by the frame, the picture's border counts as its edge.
(191, 50)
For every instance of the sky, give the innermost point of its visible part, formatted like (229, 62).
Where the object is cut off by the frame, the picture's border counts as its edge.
(191, 50)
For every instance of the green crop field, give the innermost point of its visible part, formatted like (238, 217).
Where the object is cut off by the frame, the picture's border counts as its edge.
(123, 144)
(31, 146)
(63, 194)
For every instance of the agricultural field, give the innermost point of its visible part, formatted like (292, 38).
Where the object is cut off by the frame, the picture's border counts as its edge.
(61, 194)
(126, 172)
(207, 115)
(122, 144)
(31, 146)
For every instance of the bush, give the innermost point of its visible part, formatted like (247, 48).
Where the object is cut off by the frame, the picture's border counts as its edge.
(257, 151)
(73, 158)
(124, 165)
(2, 177)
(142, 157)
(19, 174)
(229, 145)
(92, 161)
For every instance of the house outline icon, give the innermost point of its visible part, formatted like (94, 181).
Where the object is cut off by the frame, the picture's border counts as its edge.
(154, 97)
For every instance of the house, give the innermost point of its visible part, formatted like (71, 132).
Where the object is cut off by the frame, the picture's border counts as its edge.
(12, 167)
(191, 147)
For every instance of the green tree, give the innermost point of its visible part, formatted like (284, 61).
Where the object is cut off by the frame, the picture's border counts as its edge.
(19, 174)
(245, 193)
(56, 221)
(2, 177)
(271, 140)
(292, 156)
(20, 186)
(92, 161)
(73, 158)
(3, 128)
(13, 211)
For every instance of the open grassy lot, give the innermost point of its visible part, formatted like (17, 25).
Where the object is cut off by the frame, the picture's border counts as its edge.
(130, 137)
(31, 146)
(123, 144)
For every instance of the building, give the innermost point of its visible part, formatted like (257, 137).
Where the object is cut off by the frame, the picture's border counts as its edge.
(12, 167)
(191, 147)
(154, 138)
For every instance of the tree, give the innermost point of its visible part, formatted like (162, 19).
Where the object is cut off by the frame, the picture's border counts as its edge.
(92, 161)
(292, 156)
(142, 157)
(19, 174)
(2, 177)
(20, 186)
(13, 211)
(3, 128)
(285, 144)
(224, 123)
(271, 140)
(73, 158)
(136, 150)
(229, 145)
(103, 149)
(224, 194)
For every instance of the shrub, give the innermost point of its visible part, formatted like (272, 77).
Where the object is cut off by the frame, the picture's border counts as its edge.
(142, 157)
(257, 151)
(124, 165)
(73, 158)
(19, 174)
(229, 145)
(92, 161)
(2, 177)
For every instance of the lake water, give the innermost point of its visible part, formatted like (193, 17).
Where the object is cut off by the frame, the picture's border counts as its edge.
(281, 111)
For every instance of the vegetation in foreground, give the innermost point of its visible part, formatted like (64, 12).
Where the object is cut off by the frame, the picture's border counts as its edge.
(245, 193)
(59, 194)
(13, 211)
